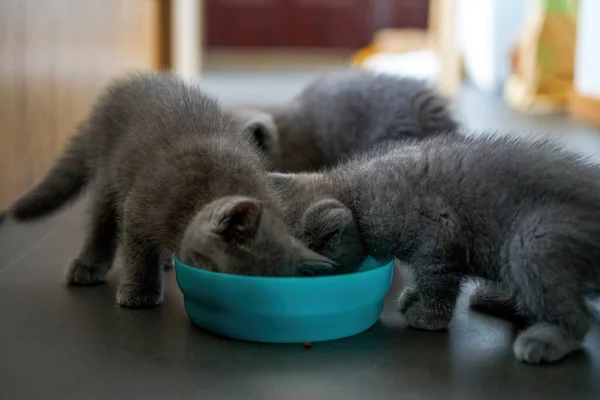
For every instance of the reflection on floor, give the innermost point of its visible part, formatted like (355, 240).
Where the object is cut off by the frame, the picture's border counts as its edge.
(75, 343)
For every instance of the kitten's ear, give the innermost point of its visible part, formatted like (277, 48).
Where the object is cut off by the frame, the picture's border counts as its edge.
(325, 221)
(310, 263)
(263, 130)
(238, 219)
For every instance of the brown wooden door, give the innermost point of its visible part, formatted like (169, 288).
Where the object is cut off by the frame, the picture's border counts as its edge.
(307, 23)
(55, 57)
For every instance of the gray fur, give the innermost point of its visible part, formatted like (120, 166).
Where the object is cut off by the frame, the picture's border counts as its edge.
(169, 173)
(64, 182)
(524, 215)
(342, 113)
(493, 297)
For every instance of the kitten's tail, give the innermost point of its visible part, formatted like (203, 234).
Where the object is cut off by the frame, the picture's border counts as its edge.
(63, 183)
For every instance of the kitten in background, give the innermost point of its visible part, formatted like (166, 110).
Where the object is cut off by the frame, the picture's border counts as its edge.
(169, 173)
(523, 215)
(342, 113)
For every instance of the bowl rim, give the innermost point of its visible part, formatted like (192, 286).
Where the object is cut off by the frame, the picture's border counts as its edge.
(179, 264)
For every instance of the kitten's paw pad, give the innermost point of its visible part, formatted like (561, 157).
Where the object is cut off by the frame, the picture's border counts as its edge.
(83, 274)
(417, 315)
(536, 346)
(134, 296)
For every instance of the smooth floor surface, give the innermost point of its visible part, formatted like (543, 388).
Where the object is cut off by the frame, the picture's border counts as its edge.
(76, 343)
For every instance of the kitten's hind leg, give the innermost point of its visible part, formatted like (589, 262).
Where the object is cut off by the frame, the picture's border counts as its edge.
(494, 298)
(142, 281)
(544, 260)
(98, 252)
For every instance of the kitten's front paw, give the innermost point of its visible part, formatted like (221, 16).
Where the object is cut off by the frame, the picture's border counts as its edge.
(542, 344)
(419, 316)
(79, 273)
(134, 296)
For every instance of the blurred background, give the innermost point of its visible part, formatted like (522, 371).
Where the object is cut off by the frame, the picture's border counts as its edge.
(529, 66)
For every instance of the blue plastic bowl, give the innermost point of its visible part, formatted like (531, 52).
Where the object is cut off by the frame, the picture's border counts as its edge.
(285, 310)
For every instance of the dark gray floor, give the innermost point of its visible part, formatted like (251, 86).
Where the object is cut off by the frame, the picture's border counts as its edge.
(75, 343)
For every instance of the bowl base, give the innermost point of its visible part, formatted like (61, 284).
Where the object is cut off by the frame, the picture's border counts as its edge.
(284, 328)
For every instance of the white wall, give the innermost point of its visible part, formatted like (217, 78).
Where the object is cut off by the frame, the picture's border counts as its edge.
(186, 40)
(488, 31)
(587, 59)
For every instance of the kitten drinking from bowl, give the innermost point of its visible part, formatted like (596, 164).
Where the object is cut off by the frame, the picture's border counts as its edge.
(524, 215)
(168, 173)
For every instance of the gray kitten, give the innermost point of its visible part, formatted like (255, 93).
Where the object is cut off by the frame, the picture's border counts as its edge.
(524, 215)
(342, 113)
(169, 173)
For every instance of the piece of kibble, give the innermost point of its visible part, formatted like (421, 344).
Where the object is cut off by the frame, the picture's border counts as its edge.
(307, 345)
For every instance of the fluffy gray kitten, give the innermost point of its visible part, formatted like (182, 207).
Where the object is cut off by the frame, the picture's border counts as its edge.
(524, 215)
(342, 113)
(169, 173)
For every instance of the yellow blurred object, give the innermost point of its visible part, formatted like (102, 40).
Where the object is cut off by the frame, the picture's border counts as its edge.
(360, 56)
(543, 62)
(393, 41)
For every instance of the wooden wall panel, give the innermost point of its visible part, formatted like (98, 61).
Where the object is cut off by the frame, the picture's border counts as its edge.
(55, 57)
